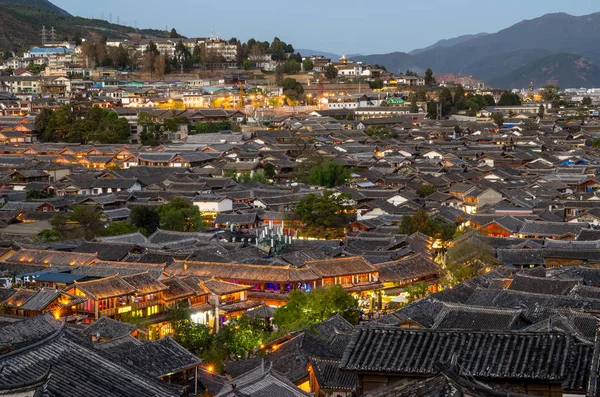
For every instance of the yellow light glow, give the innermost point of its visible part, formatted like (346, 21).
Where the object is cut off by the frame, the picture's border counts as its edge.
(210, 368)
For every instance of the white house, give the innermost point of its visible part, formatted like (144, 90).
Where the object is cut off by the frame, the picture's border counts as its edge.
(213, 204)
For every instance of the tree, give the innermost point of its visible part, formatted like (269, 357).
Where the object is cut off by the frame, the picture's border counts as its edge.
(197, 338)
(541, 111)
(269, 170)
(429, 79)
(34, 194)
(446, 100)
(331, 72)
(308, 65)
(88, 221)
(550, 93)
(509, 99)
(414, 108)
(327, 211)
(119, 228)
(174, 35)
(145, 218)
(308, 308)
(498, 119)
(82, 222)
(212, 127)
(416, 291)
(183, 56)
(292, 89)
(425, 190)
(248, 64)
(179, 215)
(586, 101)
(376, 84)
(35, 68)
(531, 125)
(459, 94)
(328, 174)
(381, 132)
(421, 222)
(291, 66)
(467, 259)
(241, 336)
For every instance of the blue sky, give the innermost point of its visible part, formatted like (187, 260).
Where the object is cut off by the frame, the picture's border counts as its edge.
(341, 27)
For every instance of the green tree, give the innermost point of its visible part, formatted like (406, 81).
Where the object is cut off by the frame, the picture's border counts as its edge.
(197, 338)
(467, 259)
(425, 190)
(59, 225)
(292, 66)
(88, 221)
(212, 127)
(269, 170)
(145, 218)
(376, 84)
(509, 99)
(183, 56)
(447, 101)
(586, 101)
(459, 93)
(119, 228)
(421, 222)
(381, 131)
(308, 65)
(82, 222)
(429, 79)
(596, 143)
(305, 309)
(328, 174)
(327, 211)
(292, 89)
(541, 111)
(331, 72)
(550, 93)
(414, 108)
(498, 119)
(179, 215)
(34, 194)
(35, 68)
(416, 291)
(241, 336)
(174, 35)
(248, 64)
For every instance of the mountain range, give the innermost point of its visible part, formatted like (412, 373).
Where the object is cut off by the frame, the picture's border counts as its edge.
(557, 48)
(21, 22)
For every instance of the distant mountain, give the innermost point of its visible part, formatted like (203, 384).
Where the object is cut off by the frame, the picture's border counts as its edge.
(40, 5)
(21, 22)
(563, 70)
(306, 53)
(492, 56)
(449, 42)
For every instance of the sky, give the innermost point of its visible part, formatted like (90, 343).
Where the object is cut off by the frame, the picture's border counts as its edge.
(340, 27)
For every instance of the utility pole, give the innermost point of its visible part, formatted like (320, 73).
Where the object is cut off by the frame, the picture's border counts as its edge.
(53, 35)
(44, 35)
